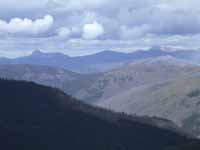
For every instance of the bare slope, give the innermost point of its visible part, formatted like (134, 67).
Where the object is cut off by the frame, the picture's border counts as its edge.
(68, 81)
(177, 100)
(132, 75)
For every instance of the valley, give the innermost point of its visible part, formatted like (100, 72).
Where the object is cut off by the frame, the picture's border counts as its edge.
(99, 75)
(162, 86)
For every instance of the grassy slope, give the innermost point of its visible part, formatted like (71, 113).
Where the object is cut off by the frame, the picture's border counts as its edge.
(177, 100)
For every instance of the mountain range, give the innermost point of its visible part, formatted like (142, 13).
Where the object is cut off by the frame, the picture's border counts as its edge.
(152, 83)
(43, 118)
(177, 100)
(100, 62)
(133, 75)
(101, 86)
(68, 81)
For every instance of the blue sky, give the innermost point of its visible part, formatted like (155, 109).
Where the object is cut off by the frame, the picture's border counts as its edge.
(79, 27)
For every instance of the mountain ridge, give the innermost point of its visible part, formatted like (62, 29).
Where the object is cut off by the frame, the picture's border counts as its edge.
(99, 62)
(45, 118)
(176, 100)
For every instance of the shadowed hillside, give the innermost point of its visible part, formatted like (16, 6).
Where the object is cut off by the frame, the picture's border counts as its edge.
(35, 117)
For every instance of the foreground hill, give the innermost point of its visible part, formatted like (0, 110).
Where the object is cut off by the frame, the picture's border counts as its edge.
(177, 100)
(37, 117)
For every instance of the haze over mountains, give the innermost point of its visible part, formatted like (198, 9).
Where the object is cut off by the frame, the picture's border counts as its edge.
(135, 75)
(93, 87)
(99, 75)
(42, 118)
(99, 62)
(151, 83)
(68, 81)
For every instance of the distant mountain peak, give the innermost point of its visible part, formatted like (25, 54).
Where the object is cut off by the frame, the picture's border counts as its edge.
(37, 52)
(107, 52)
(156, 48)
(43, 54)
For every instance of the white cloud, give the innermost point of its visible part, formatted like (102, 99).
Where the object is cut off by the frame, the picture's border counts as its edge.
(18, 26)
(92, 31)
(135, 32)
(64, 32)
(132, 23)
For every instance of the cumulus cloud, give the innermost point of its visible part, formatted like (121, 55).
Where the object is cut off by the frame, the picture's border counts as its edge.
(163, 16)
(21, 27)
(144, 23)
(64, 32)
(92, 31)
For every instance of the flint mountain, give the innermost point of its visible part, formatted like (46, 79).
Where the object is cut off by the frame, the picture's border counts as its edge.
(38, 117)
(99, 62)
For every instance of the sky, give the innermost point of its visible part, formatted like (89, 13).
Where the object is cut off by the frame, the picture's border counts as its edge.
(81, 27)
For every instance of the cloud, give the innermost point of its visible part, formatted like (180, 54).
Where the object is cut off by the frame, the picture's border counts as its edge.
(135, 32)
(26, 4)
(121, 24)
(64, 32)
(24, 27)
(73, 5)
(92, 31)
(163, 16)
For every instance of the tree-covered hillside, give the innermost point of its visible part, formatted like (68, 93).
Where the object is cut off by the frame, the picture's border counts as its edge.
(34, 117)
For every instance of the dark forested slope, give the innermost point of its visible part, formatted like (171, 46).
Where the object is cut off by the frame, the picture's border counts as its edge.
(34, 117)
